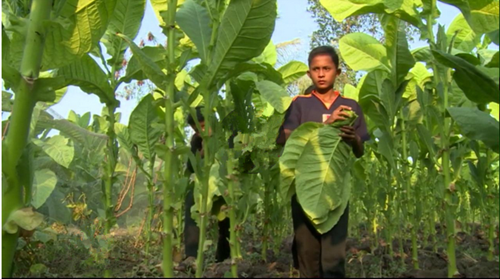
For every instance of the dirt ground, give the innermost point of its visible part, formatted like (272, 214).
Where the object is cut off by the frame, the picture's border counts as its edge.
(69, 257)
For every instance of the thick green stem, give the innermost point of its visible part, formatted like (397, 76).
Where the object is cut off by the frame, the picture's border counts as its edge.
(17, 136)
(232, 215)
(449, 212)
(180, 226)
(267, 216)
(149, 219)
(170, 158)
(110, 165)
(206, 175)
(408, 199)
(11, 201)
(112, 154)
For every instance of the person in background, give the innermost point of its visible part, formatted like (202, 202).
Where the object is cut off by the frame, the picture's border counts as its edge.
(191, 230)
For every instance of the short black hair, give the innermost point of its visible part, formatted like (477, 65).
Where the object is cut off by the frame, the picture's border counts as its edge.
(321, 50)
(199, 115)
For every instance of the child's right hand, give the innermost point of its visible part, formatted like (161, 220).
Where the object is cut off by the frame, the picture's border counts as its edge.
(338, 114)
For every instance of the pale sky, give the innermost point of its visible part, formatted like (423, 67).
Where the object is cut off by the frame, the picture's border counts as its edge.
(294, 22)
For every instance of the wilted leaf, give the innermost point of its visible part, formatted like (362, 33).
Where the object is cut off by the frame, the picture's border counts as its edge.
(25, 218)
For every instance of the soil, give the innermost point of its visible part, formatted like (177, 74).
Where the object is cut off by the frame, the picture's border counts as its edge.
(68, 257)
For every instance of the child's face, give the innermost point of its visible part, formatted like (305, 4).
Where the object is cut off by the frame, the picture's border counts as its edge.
(202, 126)
(323, 72)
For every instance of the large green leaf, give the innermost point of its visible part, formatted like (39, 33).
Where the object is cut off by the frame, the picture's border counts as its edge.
(477, 125)
(263, 69)
(342, 9)
(242, 115)
(398, 52)
(466, 39)
(484, 15)
(477, 86)
(494, 110)
(157, 54)
(141, 130)
(49, 89)
(214, 184)
(195, 21)
(276, 95)
(245, 31)
(269, 55)
(292, 71)
(123, 137)
(5, 45)
(57, 148)
(369, 97)
(362, 52)
(321, 174)
(350, 92)
(386, 148)
(292, 151)
(489, 57)
(73, 131)
(75, 31)
(126, 19)
(44, 183)
(87, 74)
(10, 77)
(421, 74)
(7, 101)
(494, 36)
(149, 67)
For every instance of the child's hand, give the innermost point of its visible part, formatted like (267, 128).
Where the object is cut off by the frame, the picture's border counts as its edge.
(338, 114)
(349, 135)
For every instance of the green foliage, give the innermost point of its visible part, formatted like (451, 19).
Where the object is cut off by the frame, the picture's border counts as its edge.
(477, 125)
(126, 19)
(314, 165)
(142, 129)
(44, 183)
(244, 32)
(477, 85)
(194, 19)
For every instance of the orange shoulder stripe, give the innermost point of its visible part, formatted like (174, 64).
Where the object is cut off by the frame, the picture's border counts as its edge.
(301, 96)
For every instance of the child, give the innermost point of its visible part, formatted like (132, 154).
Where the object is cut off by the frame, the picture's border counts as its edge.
(323, 255)
(191, 230)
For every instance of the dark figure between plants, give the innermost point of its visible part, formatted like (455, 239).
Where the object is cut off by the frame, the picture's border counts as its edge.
(315, 254)
(191, 230)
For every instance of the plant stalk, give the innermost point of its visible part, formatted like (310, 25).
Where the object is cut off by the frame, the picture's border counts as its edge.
(170, 157)
(206, 176)
(449, 215)
(17, 136)
(111, 160)
(407, 181)
(232, 214)
(151, 207)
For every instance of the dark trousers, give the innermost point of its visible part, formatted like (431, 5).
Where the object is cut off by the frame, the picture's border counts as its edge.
(192, 233)
(315, 254)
